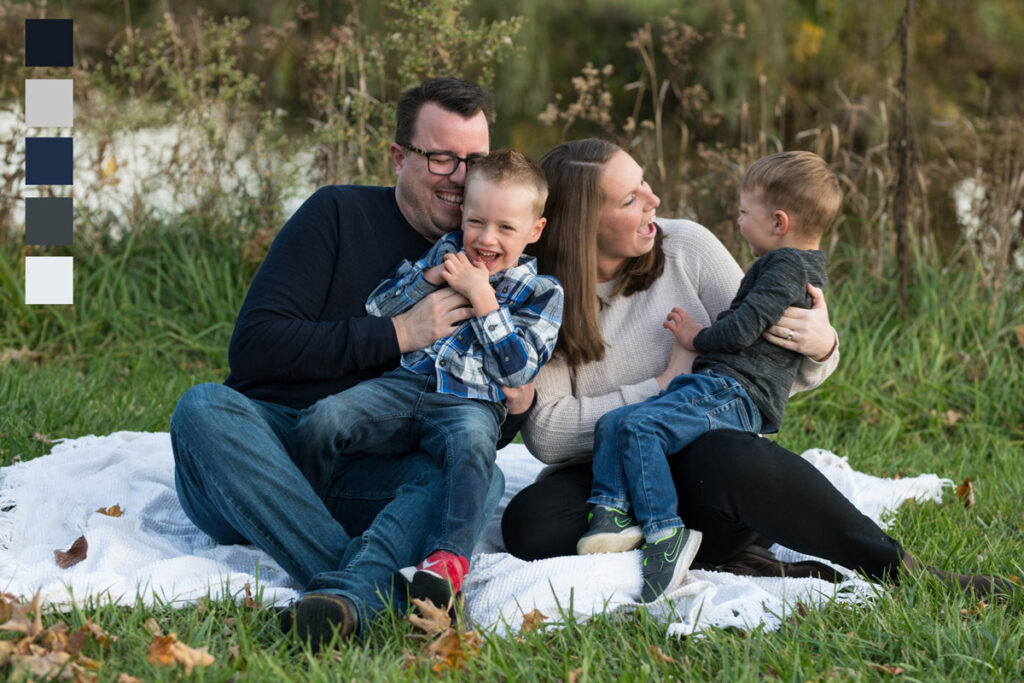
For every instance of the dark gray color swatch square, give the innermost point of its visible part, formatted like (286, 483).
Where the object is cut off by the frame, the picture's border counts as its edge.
(48, 220)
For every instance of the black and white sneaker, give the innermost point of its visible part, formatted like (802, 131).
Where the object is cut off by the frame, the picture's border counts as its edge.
(611, 531)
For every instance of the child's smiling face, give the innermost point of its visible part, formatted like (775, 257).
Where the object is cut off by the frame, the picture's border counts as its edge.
(498, 222)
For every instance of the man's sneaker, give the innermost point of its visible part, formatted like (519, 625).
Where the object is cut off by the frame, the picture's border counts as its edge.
(667, 561)
(611, 531)
(317, 616)
(438, 578)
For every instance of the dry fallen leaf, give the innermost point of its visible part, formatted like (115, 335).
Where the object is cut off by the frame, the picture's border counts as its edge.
(73, 555)
(168, 650)
(1019, 330)
(153, 627)
(453, 648)
(57, 638)
(19, 618)
(249, 602)
(948, 418)
(125, 678)
(532, 621)
(659, 654)
(887, 668)
(429, 618)
(99, 634)
(40, 666)
(15, 356)
(575, 675)
(112, 511)
(965, 492)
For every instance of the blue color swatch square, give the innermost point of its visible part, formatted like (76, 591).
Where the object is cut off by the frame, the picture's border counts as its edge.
(49, 161)
(49, 42)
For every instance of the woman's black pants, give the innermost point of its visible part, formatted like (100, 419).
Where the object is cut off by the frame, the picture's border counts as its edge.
(732, 486)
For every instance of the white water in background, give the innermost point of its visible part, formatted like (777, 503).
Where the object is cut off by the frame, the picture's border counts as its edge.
(132, 172)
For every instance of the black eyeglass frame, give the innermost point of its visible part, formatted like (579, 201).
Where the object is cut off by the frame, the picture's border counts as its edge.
(468, 161)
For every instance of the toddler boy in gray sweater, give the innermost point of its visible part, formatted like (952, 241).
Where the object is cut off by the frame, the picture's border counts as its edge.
(740, 380)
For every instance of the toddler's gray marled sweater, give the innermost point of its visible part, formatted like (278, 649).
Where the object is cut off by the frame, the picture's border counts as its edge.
(733, 345)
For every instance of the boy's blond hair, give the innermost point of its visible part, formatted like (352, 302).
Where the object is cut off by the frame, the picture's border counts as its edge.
(799, 183)
(512, 167)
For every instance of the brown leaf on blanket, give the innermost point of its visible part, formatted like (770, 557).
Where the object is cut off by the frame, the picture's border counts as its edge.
(18, 620)
(73, 555)
(429, 618)
(965, 492)
(112, 511)
(532, 621)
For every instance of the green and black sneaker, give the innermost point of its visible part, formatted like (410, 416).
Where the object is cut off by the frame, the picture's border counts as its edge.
(667, 561)
(611, 531)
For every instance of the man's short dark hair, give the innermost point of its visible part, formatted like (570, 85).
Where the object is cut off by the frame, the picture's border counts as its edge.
(451, 94)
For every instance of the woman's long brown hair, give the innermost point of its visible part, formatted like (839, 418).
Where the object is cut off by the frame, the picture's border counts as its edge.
(567, 248)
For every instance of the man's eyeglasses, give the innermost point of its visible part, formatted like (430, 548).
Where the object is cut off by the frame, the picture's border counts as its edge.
(444, 163)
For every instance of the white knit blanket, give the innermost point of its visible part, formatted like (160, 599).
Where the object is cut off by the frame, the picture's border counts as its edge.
(153, 553)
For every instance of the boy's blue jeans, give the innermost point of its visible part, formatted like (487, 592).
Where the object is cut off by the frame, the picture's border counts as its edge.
(401, 411)
(631, 444)
(237, 481)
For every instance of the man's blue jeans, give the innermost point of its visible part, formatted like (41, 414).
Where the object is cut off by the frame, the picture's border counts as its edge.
(237, 482)
(631, 444)
(401, 411)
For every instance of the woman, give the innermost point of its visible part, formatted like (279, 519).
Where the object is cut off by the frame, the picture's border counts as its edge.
(622, 273)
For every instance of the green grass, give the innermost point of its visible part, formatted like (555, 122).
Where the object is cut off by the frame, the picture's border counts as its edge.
(154, 316)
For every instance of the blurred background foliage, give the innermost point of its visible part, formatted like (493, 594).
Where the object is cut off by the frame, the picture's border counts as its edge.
(267, 99)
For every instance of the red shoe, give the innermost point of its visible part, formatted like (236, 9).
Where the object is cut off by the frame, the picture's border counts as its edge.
(438, 578)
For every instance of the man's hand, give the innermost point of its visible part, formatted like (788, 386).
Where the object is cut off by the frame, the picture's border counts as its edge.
(471, 281)
(683, 326)
(434, 316)
(518, 399)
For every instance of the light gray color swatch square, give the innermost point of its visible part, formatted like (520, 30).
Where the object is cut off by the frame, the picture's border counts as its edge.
(49, 102)
(49, 280)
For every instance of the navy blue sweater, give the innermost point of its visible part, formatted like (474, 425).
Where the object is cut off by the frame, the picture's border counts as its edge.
(303, 332)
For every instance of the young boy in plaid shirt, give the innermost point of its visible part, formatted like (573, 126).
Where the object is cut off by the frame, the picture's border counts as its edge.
(447, 399)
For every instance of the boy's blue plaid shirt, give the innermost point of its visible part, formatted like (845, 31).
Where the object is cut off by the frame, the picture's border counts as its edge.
(503, 348)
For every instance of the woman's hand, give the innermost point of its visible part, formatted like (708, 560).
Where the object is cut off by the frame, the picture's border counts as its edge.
(518, 399)
(679, 363)
(805, 330)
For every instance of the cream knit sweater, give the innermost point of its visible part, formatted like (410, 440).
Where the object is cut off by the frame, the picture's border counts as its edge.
(702, 278)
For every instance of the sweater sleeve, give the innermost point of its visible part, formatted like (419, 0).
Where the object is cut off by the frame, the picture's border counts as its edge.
(561, 425)
(406, 285)
(772, 285)
(278, 334)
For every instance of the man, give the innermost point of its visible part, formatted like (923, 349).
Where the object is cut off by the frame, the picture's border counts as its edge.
(342, 529)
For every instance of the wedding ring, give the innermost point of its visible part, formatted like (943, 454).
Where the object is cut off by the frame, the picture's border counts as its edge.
(789, 337)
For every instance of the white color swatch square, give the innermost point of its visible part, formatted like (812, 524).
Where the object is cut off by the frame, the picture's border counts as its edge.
(49, 280)
(49, 102)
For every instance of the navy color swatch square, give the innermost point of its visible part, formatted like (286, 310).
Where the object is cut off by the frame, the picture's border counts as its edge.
(49, 42)
(49, 161)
